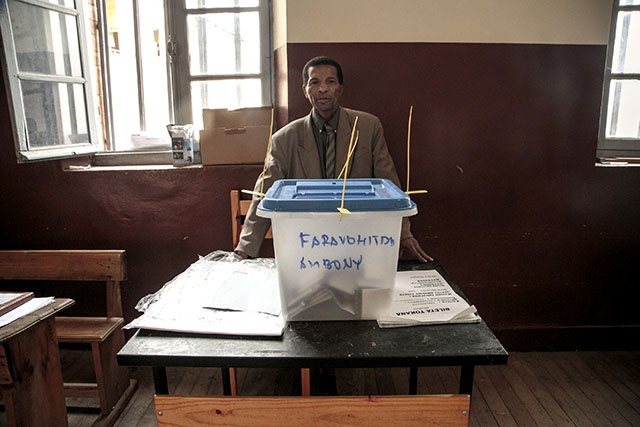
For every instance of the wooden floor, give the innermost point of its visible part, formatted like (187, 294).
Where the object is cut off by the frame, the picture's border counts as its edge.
(534, 389)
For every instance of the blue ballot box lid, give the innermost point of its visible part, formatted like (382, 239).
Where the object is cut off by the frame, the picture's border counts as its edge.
(325, 195)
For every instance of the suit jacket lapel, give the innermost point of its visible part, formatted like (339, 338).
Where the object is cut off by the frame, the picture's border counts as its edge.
(308, 156)
(345, 124)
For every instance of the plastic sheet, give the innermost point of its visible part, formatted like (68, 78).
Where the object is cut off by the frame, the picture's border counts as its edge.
(219, 293)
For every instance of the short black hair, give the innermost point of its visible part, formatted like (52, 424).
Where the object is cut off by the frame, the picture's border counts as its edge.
(321, 60)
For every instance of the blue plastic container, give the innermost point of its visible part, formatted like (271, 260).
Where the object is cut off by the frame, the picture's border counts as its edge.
(325, 195)
(332, 265)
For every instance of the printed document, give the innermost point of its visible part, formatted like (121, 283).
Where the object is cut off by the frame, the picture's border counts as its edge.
(425, 297)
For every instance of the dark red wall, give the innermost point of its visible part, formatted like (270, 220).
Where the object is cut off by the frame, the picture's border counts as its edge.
(543, 242)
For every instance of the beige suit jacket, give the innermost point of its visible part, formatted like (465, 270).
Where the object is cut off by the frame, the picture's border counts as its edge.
(294, 155)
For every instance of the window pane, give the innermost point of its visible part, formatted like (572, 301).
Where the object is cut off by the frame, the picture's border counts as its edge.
(56, 113)
(224, 94)
(154, 70)
(623, 119)
(224, 43)
(46, 41)
(124, 73)
(629, 2)
(138, 74)
(626, 51)
(206, 4)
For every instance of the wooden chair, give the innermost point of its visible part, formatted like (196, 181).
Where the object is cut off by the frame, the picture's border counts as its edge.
(105, 336)
(317, 411)
(239, 210)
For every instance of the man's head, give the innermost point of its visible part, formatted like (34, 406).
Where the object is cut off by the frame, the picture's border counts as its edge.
(322, 85)
(321, 60)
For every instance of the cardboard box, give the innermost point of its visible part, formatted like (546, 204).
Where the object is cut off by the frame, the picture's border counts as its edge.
(235, 136)
(334, 266)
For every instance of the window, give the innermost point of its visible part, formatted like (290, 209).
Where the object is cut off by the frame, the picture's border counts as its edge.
(49, 91)
(142, 65)
(619, 137)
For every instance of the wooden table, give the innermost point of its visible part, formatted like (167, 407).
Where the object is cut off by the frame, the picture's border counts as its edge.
(30, 371)
(324, 344)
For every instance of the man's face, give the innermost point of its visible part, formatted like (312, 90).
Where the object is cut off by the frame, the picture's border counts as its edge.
(323, 89)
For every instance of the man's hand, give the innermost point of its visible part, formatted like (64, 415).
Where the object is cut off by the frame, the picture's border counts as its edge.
(241, 255)
(410, 249)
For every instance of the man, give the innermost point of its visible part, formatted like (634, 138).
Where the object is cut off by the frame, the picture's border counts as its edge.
(316, 146)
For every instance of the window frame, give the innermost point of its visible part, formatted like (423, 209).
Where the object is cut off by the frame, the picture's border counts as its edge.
(181, 78)
(103, 148)
(615, 150)
(179, 83)
(13, 78)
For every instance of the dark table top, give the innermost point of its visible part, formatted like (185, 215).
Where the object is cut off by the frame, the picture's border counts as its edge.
(324, 344)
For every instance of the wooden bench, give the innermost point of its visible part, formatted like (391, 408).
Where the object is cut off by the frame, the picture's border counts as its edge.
(103, 334)
(320, 411)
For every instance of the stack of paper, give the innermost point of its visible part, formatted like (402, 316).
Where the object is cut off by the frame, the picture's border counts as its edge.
(218, 294)
(11, 300)
(425, 297)
(23, 309)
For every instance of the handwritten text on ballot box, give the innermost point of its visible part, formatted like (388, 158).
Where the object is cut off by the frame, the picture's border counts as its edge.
(334, 266)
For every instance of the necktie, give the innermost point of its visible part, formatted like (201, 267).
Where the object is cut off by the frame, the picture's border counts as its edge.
(329, 150)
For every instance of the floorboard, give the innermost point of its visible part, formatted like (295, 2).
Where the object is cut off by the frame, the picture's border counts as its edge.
(525, 388)
(565, 389)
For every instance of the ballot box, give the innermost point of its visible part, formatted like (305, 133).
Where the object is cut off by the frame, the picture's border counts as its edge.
(336, 245)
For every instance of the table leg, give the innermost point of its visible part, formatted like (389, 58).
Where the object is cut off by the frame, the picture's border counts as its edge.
(466, 379)
(226, 382)
(305, 381)
(33, 389)
(160, 380)
(413, 380)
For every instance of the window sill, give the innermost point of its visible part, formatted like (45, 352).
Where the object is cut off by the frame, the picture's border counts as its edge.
(117, 161)
(89, 168)
(133, 158)
(130, 161)
(618, 162)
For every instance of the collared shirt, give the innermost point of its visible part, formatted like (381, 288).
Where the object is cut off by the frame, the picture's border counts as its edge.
(318, 124)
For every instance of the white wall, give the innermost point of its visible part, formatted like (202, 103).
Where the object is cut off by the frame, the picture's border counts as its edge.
(458, 21)
(279, 23)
